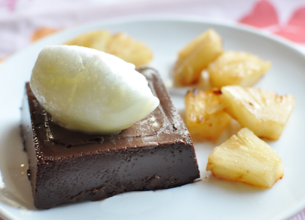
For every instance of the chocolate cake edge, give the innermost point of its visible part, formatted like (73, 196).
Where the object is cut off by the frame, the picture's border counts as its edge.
(101, 174)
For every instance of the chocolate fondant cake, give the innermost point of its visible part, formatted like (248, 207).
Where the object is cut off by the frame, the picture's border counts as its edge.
(69, 166)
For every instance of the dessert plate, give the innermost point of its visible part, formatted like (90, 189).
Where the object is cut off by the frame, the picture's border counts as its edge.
(207, 198)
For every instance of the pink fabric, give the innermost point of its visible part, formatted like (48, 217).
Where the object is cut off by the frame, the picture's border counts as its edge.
(20, 19)
(295, 27)
(264, 15)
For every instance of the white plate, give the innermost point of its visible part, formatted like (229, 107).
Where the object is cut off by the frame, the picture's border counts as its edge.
(209, 198)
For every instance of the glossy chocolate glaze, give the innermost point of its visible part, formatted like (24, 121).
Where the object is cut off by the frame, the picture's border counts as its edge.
(69, 166)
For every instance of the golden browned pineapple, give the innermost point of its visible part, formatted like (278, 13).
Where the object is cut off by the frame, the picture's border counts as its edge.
(236, 68)
(95, 39)
(120, 45)
(246, 158)
(128, 49)
(196, 56)
(263, 112)
(205, 115)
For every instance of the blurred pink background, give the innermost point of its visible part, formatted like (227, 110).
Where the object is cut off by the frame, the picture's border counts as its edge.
(20, 19)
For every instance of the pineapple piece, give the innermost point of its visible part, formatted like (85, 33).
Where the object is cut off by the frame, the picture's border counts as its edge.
(120, 45)
(246, 158)
(95, 39)
(236, 68)
(196, 56)
(205, 115)
(128, 49)
(264, 112)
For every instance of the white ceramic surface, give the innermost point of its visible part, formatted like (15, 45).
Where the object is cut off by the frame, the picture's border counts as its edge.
(206, 199)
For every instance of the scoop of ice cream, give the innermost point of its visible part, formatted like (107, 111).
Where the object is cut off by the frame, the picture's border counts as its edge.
(89, 90)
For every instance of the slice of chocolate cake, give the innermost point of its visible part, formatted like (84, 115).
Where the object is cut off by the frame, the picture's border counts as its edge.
(68, 166)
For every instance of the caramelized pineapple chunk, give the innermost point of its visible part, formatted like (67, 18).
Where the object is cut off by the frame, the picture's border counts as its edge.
(236, 68)
(128, 49)
(205, 115)
(120, 45)
(264, 112)
(246, 158)
(196, 56)
(95, 39)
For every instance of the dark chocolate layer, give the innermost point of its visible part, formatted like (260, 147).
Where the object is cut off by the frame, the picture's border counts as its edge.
(67, 166)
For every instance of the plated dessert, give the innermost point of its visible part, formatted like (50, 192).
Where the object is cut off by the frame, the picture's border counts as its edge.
(71, 165)
(231, 199)
(86, 146)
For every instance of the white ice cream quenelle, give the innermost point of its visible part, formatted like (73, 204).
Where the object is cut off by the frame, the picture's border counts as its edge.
(89, 90)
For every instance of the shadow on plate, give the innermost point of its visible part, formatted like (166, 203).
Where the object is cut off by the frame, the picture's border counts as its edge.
(15, 188)
(236, 187)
